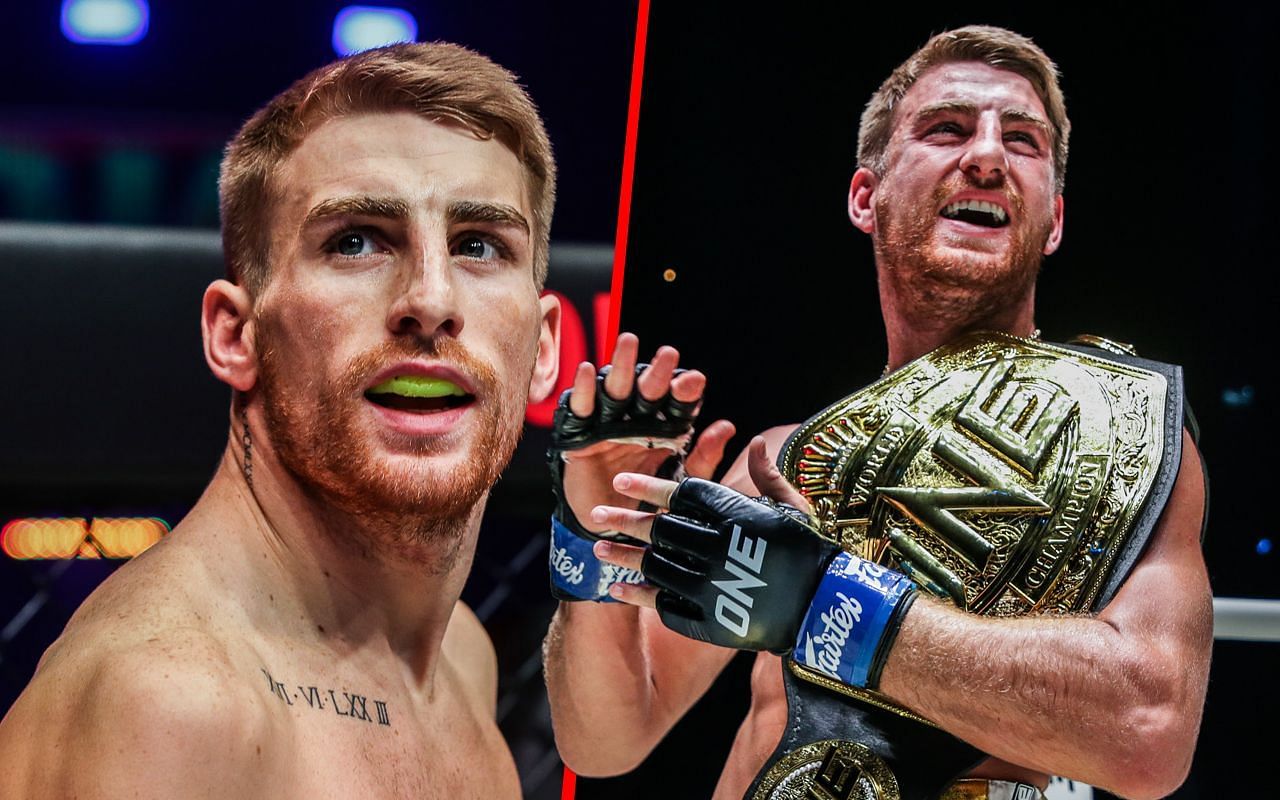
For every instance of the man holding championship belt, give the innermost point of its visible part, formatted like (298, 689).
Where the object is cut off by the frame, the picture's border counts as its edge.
(979, 571)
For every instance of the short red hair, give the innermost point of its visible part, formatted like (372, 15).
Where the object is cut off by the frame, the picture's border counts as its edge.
(995, 47)
(441, 82)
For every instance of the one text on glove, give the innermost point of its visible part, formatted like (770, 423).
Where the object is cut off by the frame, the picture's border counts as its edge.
(733, 602)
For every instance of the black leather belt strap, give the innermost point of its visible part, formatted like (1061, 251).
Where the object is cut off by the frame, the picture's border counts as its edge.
(924, 759)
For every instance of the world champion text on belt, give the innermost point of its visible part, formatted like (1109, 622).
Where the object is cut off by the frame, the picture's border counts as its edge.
(1006, 475)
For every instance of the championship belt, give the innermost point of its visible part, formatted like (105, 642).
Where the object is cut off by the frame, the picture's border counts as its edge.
(1006, 475)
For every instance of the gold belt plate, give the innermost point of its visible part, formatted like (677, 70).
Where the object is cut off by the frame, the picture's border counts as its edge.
(831, 769)
(999, 472)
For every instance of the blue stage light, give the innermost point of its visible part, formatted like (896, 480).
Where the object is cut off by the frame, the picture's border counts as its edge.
(1264, 546)
(359, 28)
(1238, 398)
(105, 21)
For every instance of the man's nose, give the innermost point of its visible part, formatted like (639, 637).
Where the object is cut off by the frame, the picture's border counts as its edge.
(426, 302)
(985, 158)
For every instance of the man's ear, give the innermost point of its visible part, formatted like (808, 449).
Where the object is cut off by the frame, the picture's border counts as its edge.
(1055, 233)
(547, 367)
(226, 322)
(862, 204)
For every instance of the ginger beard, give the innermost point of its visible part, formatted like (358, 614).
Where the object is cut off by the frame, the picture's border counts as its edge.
(312, 425)
(946, 285)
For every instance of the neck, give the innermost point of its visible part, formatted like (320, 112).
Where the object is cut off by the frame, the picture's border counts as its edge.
(918, 321)
(352, 584)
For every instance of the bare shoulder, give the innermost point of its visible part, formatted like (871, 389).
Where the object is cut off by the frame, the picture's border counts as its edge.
(468, 647)
(774, 438)
(144, 673)
(1173, 558)
(106, 704)
(139, 607)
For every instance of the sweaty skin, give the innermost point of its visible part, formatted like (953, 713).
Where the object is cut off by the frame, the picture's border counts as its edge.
(167, 665)
(1114, 700)
(292, 638)
(1144, 658)
(684, 668)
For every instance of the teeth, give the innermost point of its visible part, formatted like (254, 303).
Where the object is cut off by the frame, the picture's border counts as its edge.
(418, 386)
(981, 206)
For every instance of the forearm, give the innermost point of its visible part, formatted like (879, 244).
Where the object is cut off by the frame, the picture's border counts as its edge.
(617, 682)
(1071, 696)
(597, 682)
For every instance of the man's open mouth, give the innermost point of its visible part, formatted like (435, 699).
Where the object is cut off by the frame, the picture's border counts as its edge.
(419, 394)
(977, 212)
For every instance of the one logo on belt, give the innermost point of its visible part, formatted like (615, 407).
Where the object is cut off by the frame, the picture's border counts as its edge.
(837, 777)
(746, 559)
(830, 769)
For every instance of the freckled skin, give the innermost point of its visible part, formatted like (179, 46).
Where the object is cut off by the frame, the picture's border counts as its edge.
(315, 313)
(279, 577)
(1113, 700)
(940, 277)
(936, 276)
(759, 733)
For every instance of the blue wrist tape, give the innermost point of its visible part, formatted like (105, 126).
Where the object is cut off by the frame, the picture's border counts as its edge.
(576, 572)
(847, 619)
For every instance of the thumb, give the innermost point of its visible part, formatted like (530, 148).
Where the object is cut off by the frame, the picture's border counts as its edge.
(709, 449)
(765, 475)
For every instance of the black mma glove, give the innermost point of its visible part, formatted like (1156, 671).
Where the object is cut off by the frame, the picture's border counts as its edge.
(576, 574)
(752, 574)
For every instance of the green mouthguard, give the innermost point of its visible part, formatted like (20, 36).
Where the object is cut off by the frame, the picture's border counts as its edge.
(417, 386)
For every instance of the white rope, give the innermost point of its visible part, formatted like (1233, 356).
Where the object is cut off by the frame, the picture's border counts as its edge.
(1246, 619)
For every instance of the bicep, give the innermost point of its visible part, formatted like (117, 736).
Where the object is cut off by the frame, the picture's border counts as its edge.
(1166, 603)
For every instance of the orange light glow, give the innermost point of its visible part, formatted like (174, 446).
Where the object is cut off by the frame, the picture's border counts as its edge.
(76, 537)
(125, 537)
(43, 538)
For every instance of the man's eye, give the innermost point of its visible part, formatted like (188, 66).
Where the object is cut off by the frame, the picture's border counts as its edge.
(1024, 138)
(476, 247)
(946, 127)
(353, 243)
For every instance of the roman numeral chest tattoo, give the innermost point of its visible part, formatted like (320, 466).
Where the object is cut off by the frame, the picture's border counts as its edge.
(343, 704)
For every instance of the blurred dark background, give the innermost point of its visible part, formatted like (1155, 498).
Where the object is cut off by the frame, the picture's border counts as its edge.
(108, 225)
(747, 142)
